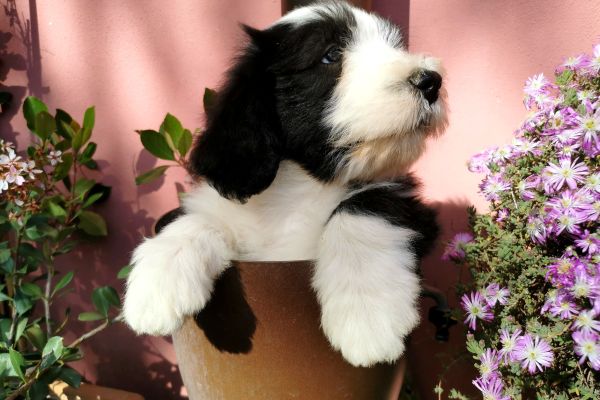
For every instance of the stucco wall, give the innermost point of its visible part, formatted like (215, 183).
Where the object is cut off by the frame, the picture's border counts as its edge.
(137, 60)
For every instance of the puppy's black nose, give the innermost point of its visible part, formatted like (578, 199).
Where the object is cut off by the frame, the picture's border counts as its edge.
(428, 82)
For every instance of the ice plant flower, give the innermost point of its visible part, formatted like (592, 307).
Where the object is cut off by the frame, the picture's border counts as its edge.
(586, 322)
(534, 353)
(587, 347)
(568, 172)
(488, 364)
(476, 308)
(493, 294)
(509, 343)
(455, 248)
(491, 389)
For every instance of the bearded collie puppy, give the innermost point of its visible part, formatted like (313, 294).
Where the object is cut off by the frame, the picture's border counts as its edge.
(305, 156)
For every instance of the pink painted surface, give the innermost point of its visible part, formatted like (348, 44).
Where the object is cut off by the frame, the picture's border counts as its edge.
(489, 49)
(137, 60)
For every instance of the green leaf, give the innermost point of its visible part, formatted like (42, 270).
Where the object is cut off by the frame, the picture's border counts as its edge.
(56, 210)
(173, 128)
(185, 142)
(36, 336)
(62, 169)
(157, 145)
(90, 316)
(103, 298)
(82, 186)
(209, 100)
(20, 328)
(44, 125)
(32, 290)
(100, 302)
(17, 361)
(151, 175)
(111, 295)
(63, 117)
(124, 272)
(91, 199)
(22, 302)
(64, 281)
(5, 254)
(68, 129)
(92, 223)
(70, 376)
(32, 107)
(89, 118)
(87, 154)
(55, 346)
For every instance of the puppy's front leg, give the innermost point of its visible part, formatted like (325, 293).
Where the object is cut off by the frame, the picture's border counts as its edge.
(365, 276)
(173, 274)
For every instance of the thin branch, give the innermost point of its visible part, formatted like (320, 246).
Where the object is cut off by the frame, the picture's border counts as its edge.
(46, 299)
(104, 325)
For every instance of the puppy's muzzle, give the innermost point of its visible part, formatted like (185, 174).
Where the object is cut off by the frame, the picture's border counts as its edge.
(428, 83)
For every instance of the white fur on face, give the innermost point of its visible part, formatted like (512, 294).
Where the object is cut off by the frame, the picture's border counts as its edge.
(367, 286)
(374, 109)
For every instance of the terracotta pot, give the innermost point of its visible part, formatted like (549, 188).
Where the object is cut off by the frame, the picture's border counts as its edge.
(287, 5)
(260, 338)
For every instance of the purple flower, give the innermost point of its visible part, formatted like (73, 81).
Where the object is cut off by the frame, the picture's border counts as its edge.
(592, 182)
(585, 285)
(479, 162)
(491, 389)
(455, 250)
(588, 128)
(502, 215)
(476, 308)
(534, 353)
(536, 228)
(575, 63)
(524, 187)
(509, 344)
(493, 185)
(536, 84)
(564, 307)
(488, 366)
(493, 294)
(587, 347)
(586, 321)
(567, 172)
(588, 243)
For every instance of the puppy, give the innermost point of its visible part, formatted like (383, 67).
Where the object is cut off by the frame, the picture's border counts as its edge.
(305, 156)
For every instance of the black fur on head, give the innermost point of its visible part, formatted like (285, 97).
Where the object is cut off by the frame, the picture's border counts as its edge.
(271, 108)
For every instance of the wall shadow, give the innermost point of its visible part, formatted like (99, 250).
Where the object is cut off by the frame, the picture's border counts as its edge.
(432, 361)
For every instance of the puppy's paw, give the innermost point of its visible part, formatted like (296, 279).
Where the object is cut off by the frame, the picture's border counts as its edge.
(367, 335)
(163, 286)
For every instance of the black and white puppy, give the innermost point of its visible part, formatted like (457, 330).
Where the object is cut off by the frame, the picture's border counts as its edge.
(305, 156)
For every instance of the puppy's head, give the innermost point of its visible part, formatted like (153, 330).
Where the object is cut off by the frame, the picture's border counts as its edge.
(328, 86)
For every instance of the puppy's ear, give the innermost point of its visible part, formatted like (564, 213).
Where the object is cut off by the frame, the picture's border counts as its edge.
(240, 150)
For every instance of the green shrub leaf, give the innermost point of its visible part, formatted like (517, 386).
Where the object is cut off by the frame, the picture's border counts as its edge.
(90, 316)
(64, 281)
(124, 272)
(185, 142)
(157, 145)
(92, 223)
(32, 107)
(44, 125)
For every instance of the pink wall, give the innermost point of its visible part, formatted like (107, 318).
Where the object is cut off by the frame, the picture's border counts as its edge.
(137, 60)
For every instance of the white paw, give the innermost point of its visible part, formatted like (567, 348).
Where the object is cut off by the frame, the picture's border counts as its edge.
(367, 335)
(166, 284)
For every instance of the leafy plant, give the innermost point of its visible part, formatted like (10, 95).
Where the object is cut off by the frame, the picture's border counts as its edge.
(46, 207)
(533, 311)
(171, 142)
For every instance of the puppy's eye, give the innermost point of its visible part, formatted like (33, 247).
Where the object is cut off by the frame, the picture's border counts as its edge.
(333, 55)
